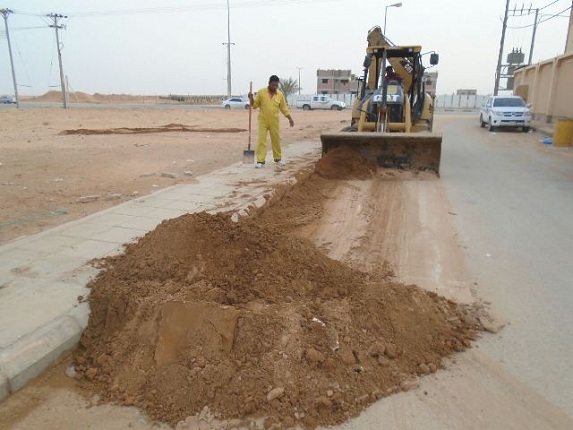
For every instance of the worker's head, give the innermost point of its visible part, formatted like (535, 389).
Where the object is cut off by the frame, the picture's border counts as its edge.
(274, 82)
(389, 69)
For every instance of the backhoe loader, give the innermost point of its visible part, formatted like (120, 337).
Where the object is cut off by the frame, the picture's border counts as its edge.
(392, 117)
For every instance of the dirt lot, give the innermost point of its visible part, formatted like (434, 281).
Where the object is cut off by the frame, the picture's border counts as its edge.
(325, 334)
(46, 175)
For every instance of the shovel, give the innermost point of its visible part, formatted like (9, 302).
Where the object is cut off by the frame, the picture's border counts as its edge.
(249, 154)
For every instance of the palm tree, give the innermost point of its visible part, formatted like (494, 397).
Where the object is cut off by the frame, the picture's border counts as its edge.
(289, 86)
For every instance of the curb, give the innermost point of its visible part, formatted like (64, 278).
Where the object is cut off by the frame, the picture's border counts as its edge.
(31, 355)
(543, 131)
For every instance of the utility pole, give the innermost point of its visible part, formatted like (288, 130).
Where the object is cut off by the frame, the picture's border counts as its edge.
(498, 70)
(5, 13)
(55, 17)
(533, 37)
(528, 11)
(299, 80)
(228, 50)
(569, 41)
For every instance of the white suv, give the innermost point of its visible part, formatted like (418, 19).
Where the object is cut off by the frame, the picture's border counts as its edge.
(7, 100)
(505, 111)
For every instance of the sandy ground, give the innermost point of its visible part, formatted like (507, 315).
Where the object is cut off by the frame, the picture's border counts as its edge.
(48, 177)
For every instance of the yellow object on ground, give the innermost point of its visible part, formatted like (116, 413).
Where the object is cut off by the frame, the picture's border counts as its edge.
(563, 134)
(269, 108)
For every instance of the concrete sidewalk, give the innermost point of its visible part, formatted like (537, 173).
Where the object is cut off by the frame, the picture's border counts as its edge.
(543, 128)
(43, 277)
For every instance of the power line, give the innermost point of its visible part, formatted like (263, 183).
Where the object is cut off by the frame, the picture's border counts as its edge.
(558, 14)
(26, 28)
(210, 6)
(550, 4)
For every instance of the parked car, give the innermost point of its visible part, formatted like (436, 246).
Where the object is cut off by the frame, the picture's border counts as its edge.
(505, 111)
(236, 102)
(7, 99)
(320, 102)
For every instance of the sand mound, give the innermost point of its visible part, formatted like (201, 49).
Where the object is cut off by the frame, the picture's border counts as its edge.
(146, 130)
(206, 317)
(344, 163)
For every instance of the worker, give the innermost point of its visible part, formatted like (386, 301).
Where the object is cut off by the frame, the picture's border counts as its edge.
(270, 100)
(391, 75)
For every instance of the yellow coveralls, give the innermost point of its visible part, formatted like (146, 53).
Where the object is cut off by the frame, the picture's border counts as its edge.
(269, 122)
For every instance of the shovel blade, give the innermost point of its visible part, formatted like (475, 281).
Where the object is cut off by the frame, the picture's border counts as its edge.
(411, 151)
(248, 156)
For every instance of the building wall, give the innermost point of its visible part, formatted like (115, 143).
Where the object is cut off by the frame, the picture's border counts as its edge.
(466, 92)
(431, 81)
(343, 81)
(335, 81)
(548, 87)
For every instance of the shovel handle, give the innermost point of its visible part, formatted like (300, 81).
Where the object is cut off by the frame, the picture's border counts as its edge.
(250, 113)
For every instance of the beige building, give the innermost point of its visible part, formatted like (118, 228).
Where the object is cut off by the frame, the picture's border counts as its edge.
(431, 80)
(548, 87)
(335, 81)
(344, 82)
(465, 92)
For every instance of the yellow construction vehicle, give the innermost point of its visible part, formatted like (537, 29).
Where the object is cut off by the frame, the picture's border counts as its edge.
(392, 116)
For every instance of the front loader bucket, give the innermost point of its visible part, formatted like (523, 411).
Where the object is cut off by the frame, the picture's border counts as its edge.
(412, 151)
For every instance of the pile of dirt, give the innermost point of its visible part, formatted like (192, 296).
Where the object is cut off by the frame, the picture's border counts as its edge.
(81, 97)
(344, 163)
(208, 318)
(145, 130)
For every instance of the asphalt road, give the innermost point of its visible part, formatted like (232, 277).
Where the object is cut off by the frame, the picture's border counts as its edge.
(514, 201)
(510, 199)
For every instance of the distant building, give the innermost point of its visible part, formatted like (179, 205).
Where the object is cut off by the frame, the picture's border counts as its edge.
(466, 92)
(335, 81)
(430, 80)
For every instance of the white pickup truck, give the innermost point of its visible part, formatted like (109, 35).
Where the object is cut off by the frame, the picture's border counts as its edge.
(320, 102)
(505, 111)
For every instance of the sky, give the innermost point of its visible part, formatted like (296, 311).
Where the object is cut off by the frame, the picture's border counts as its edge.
(161, 47)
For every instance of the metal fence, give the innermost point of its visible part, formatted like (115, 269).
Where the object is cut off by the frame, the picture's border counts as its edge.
(454, 101)
(347, 98)
(444, 101)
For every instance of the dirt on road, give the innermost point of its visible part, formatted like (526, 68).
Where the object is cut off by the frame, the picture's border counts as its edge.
(250, 321)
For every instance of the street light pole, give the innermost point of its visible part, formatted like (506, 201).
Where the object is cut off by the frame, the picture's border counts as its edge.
(299, 79)
(228, 50)
(386, 12)
(229, 90)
